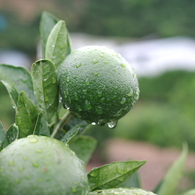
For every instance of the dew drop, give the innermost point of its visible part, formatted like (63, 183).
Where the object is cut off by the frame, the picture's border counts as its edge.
(52, 45)
(68, 79)
(10, 162)
(13, 107)
(1, 170)
(76, 96)
(74, 189)
(34, 140)
(84, 91)
(78, 65)
(35, 164)
(123, 65)
(123, 100)
(44, 79)
(20, 169)
(66, 106)
(98, 110)
(24, 158)
(38, 151)
(99, 94)
(95, 61)
(93, 123)
(95, 73)
(87, 81)
(87, 105)
(112, 124)
(17, 181)
(105, 62)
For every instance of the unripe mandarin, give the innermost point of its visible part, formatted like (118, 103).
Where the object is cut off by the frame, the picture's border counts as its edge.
(98, 85)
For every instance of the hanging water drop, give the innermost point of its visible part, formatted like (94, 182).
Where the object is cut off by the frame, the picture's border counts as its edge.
(66, 106)
(112, 124)
(93, 123)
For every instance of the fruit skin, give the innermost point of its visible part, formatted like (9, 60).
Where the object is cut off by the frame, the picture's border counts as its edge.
(39, 165)
(122, 191)
(97, 84)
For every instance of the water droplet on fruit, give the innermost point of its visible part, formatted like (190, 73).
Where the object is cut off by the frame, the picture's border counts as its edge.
(95, 73)
(87, 105)
(38, 151)
(74, 189)
(76, 96)
(78, 65)
(95, 61)
(84, 91)
(24, 158)
(1, 170)
(99, 94)
(123, 65)
(10, 162)
(112, 124)
(17, 181)
(34, 140)
(34, 164)
(68, 79)
(98, 110)
(123, 100)
(20, 169)
(87, 81)
(105, 62)
(66, 106)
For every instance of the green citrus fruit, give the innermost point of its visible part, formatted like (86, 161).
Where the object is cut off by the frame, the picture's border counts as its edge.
(97, 85)
(122, 191)
(39, 165)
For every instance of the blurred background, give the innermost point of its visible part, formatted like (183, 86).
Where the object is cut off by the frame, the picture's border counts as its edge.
(156, 37)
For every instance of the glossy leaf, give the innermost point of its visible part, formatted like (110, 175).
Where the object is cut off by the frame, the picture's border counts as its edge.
(45, 87)
(12, 133)
(113, 174)
(41, 127)
(69, 45)
(3, 138)
(48, 21)
(70, 135)
(122, 191)
(26, 115)
(84, 146)
(174, 174)
(17, 79)
(56, 45)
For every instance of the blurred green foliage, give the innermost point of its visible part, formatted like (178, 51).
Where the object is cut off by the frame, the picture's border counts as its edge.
(125, 18)
(164, 114)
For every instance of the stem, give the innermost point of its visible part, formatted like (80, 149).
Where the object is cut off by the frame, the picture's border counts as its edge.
(61, 123)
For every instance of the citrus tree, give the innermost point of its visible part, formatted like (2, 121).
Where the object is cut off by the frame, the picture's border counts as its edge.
(45, 151)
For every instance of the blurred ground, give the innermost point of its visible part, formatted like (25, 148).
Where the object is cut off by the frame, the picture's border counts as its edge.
(158, 160)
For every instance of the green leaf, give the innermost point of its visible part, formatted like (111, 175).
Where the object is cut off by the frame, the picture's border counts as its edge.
(69, 45)
(113, 174)
(70, 135)
(48, 21)
(133, 181)
(84, 146)
(45, 87)
(17, 79)
(122, 191)
(41, 127)
(26, 115)
(190, 192)
(56, 45)
(12, 133)
(174, 174)
(3, 139)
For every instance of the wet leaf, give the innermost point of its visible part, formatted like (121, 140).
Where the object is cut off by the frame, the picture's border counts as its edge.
(12, 133)
(70, 135)
(113, 174)
(3, 139)
(41, 127)
(26, 115)
(84, 146)
(17, 79)
(45, 87)
(174, 174)
(48, 21)
(56, 45)
(122, 191)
